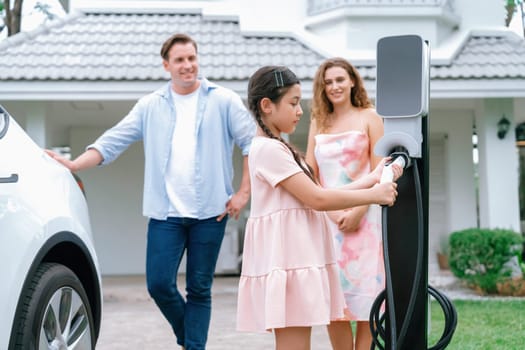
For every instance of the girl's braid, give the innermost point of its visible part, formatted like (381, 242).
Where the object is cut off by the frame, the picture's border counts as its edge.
(296, 156)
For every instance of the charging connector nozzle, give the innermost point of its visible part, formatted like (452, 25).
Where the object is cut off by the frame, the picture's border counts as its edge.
(400, 158)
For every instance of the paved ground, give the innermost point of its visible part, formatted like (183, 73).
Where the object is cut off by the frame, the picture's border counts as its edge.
(131, 321)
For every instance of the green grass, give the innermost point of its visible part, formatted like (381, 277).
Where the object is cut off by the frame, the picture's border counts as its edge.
(483, 325)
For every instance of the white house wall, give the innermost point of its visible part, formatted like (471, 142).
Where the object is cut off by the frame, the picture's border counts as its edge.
(456, 125)
(36, 122)
(499, 204)
(363, 31)
(475, 13)
(114, 195)
(438, 224)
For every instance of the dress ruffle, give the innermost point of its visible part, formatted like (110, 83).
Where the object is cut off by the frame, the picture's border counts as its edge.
(289, 275)
(290, 298)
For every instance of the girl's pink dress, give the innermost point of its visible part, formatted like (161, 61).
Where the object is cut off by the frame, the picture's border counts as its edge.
(289, 274)
(342, 158)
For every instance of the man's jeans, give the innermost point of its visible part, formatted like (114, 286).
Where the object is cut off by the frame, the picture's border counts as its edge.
(167, 240)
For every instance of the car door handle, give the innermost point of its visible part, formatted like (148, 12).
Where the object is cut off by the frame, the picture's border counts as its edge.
(10, 179)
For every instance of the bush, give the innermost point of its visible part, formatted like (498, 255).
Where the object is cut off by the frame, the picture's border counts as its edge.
(481, 256)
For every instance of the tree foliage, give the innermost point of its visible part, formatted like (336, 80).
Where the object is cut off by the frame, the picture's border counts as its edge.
(510, 6)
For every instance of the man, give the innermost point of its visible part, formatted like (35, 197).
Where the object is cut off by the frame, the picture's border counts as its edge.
(188, 128)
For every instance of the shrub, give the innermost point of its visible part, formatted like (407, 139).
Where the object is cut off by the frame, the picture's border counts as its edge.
(481, 256)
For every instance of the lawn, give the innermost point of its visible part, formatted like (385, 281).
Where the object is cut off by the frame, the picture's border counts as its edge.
(483, 325)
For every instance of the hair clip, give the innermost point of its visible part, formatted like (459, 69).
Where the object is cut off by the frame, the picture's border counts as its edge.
(278, 78)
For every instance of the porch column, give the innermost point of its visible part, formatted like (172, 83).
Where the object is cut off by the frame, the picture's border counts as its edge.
(36, 122)
(498, 167)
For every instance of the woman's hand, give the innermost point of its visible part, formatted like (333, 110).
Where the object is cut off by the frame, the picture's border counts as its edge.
(349, 220)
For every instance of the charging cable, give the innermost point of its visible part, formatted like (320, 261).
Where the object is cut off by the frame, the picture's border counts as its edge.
(377, 319)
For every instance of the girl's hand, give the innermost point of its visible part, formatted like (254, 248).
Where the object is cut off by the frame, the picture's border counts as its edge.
(234, 205)
(396, 169)
(386, 193)
(378, 170)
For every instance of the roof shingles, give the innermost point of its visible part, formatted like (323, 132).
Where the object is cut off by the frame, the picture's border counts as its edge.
(97, 46)
(125, 47)
(486, 57)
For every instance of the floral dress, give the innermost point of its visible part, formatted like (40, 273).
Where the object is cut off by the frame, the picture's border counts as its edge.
(342, 158)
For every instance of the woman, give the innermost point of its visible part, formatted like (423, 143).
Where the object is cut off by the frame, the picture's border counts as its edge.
(343, 132)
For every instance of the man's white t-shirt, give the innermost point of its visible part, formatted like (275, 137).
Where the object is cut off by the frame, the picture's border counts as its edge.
(179, 177)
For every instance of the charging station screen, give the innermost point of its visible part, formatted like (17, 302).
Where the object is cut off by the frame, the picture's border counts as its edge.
(399, 76)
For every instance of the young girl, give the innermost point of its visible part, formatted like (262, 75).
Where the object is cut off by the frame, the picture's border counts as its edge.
(289, 280)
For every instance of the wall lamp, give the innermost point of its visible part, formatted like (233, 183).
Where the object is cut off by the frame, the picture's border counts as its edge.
(520, 134)
(503, 127)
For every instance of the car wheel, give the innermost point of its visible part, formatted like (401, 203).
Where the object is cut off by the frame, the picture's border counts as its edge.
(56, 312)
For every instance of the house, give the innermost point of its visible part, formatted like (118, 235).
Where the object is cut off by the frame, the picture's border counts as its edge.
(68, 81)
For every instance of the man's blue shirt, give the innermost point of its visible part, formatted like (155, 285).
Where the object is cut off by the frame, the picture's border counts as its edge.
(222, 121)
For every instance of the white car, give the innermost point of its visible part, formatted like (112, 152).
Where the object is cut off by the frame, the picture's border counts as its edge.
(50, 293)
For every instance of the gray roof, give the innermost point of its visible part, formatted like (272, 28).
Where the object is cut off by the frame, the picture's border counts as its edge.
(486, 57)
(125, 47)
(98, 46)
(482, 57)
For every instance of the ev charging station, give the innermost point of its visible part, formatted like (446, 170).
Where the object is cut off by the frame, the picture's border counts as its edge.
(402, 100)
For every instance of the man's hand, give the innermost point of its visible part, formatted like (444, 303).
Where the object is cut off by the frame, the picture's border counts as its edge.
(86, 160)
(61, 159)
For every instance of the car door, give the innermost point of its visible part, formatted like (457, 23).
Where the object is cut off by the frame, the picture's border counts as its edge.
(20, 220)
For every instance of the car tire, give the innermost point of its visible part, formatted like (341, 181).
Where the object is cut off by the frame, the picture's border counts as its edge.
(55, 312)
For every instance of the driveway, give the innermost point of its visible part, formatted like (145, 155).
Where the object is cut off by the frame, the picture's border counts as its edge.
(131, 320)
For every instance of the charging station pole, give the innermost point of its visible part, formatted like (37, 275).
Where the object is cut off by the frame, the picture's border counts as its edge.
(402, 99)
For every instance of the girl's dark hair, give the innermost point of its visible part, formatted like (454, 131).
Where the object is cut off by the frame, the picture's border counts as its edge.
(273, 82)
